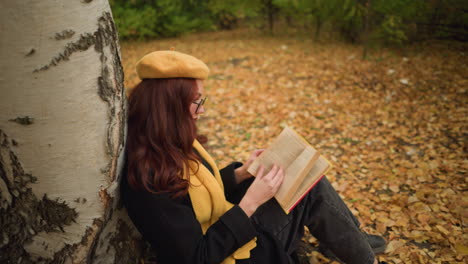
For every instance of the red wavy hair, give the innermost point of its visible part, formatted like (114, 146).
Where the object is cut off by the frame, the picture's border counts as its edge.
(160, 135)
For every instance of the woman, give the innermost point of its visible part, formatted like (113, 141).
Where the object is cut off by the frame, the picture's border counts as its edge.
(191, 212)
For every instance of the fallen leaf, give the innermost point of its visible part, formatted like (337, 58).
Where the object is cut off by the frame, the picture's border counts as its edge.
(394, 245)
(461, 249)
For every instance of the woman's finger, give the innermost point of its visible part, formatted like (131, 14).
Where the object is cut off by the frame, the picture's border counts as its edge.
(260, 171)
(279, 177)
(257, 152)
(254, 155)
(272, 173)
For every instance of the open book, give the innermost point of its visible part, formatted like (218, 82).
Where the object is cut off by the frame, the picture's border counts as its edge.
(303, 165)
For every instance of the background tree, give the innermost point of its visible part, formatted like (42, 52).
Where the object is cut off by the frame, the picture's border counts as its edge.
(62, 130)
(227, 13)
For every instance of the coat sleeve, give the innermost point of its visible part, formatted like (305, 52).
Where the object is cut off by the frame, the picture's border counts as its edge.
(234, 192)
(175, 234)
(229, 178)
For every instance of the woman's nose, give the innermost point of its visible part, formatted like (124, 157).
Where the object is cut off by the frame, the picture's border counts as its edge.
(201, 110)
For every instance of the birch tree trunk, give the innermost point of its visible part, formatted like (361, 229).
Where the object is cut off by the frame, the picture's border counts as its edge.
(62, 131)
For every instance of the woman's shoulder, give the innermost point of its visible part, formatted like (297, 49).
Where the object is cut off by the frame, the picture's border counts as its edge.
(142, 200)
(129, 193)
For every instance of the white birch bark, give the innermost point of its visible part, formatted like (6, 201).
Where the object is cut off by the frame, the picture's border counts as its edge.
(62, 116)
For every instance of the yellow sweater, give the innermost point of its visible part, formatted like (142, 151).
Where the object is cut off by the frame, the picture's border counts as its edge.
(209, 203)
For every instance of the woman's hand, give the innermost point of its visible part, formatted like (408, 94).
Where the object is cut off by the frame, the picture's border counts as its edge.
(241, 172)
(262, 189)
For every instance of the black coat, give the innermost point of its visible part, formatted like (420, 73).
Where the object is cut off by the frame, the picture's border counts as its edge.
(170, 226)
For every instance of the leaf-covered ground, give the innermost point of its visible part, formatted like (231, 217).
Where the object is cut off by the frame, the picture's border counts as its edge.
(394, 125)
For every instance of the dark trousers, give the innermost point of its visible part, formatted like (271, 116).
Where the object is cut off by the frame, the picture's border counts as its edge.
(328, 219)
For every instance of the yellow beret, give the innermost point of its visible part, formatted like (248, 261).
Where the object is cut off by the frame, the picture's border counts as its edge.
(171, 64)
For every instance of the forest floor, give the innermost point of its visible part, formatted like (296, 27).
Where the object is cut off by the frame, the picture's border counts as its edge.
(394, 126)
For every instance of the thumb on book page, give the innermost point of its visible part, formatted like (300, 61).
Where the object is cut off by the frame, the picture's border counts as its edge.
(260, 172)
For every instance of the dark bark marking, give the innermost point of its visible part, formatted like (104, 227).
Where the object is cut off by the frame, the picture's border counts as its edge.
(87, 1)
(24, 215)
(127, 251)
(56, 214)
(105, 90)
(31, 52)
(23, 120)
(66, 34)
(65, 253)
(110, 83)
(111, 91)
(83, 43)
(80, 200)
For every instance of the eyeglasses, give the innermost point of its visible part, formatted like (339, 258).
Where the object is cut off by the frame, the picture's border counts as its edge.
(199, 104)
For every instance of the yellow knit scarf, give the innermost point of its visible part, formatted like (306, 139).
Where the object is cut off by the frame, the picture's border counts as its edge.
(209, 203)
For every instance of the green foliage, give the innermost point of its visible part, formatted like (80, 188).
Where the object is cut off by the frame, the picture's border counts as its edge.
(141, 19)
(387, 21)
(449, 19)
(392, 30)
(405, 9)
(299, 10)
(226, 13)
(350, 19)
(393, 20)
(134, 23)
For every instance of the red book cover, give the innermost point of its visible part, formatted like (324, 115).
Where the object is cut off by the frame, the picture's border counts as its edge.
(304, 194)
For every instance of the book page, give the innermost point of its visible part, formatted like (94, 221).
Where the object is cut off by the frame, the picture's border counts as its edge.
(320, 168)
(283, 151)
(295, 174)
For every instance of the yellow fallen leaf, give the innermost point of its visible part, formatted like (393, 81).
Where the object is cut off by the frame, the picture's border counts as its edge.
(461, 249)
(402, 221)
(424, 218)
(442, 229)
(413, 199)
(394, 188)
(381, 228)
(394, 245)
